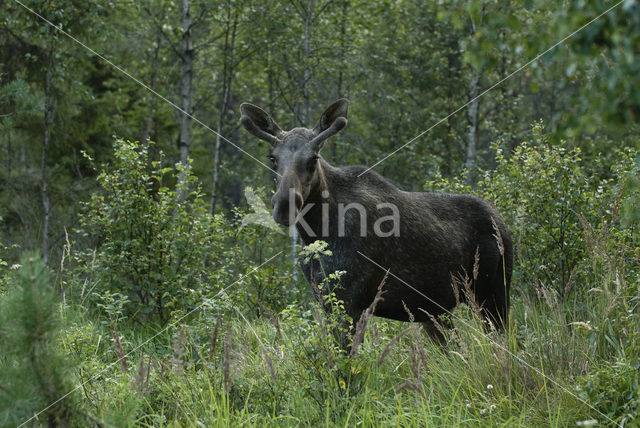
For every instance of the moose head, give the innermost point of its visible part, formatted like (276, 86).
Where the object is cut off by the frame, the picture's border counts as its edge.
(294, 154)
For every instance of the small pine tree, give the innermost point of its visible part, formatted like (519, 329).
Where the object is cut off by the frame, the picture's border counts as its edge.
(33, 373)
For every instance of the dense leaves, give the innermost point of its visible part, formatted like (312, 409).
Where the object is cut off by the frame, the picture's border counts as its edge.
(150, 248)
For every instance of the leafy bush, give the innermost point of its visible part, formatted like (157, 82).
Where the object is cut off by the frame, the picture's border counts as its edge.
(153, 252)
(553, 208)
(542, 191)
(629, 173)
(573, 232)
(260, 239)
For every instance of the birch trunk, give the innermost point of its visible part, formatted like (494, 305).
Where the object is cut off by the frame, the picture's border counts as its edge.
(227, 77)
(343, 63)
(474, 107)
(48, 124)
(304, 114)
(472, 142)
(186, 53)
(148, 122)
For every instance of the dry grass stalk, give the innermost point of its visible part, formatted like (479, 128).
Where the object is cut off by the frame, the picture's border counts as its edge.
(214, 337)
(463, 281)
(66, 252)
(409, 385)
(226, 379)
(588, 232)
(391, 343)
(476, 263)
(323, 333)
(414, 351)
(569, 286)
(437, 324)
(179, 351)
(361, 326)
(375, 334)
(416, 357)
(273, 319)
(142, 375)
(163, 370)
(268, 362)
(456, 290)
(122, 359)
(498, 236)
(615, 212)
(422, 358)
(320, 322)
(547, 294)
(406, 309)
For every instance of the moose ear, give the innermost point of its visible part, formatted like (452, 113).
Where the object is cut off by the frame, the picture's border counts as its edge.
(331, 122)
(338, 109)
(260, 124)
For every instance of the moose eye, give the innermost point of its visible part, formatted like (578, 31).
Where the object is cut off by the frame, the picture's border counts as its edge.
(273, 160)
(313, 162)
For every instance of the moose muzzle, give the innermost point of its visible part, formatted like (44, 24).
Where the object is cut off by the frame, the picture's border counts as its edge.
(286, 204)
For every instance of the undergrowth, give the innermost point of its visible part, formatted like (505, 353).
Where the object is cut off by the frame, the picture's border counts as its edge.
(254, 352)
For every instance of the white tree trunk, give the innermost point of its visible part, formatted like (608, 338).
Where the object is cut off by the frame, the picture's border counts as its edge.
(148, 121)
(48, 123)
(472, 142)
(227, 78)
(304, 115)
(186, 53)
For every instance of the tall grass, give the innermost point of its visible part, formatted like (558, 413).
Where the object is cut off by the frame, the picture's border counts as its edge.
(551, 367)
(569, 355)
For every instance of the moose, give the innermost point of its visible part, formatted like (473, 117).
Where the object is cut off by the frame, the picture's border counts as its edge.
(430, 239)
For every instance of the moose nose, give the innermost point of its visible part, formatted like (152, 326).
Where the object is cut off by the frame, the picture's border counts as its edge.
(285, 210)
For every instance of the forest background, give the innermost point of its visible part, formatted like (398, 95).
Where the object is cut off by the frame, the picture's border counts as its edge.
(122, 201)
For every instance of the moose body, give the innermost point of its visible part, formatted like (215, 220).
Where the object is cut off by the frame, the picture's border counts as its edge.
(425, 240)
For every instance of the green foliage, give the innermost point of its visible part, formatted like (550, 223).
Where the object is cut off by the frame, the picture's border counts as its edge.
(605, 52)
(34, 372)
(550, 203)
(543, 191)
(157, 253)
(631, 192)
(259, 239)
(613, 388)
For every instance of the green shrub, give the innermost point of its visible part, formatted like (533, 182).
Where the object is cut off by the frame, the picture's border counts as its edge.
(553, 207)
(613, 387)
(260, 239)
(542, 191)
(152, 251)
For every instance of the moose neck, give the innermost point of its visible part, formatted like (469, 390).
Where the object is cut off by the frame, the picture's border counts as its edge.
(316, 205)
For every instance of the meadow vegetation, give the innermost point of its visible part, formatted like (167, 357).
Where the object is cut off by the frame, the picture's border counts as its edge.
(156, 315)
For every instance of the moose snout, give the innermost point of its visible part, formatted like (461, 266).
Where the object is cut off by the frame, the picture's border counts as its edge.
(286, 209)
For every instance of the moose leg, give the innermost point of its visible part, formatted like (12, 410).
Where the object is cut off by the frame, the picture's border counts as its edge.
(494, 310)
(492, 286)
(493, 302)
(435, 332)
